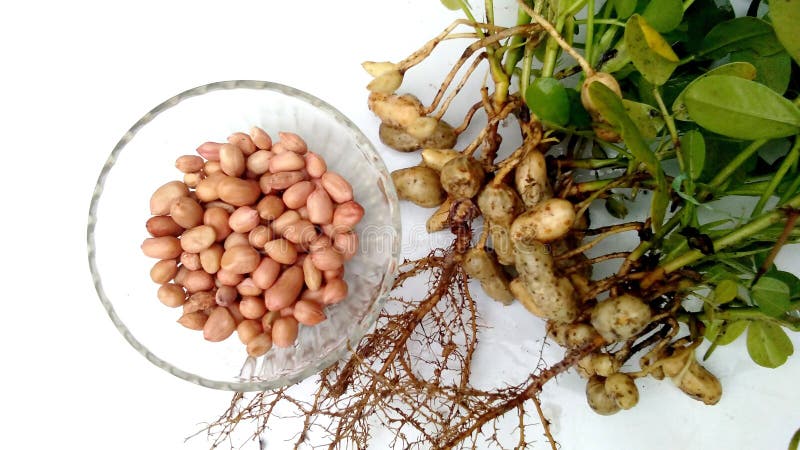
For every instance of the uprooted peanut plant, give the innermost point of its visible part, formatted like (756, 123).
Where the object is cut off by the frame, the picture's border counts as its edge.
(674, 103)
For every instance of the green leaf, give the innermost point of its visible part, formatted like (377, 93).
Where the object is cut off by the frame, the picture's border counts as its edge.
(452, 5)
(768, 344)
(701, 17)
(785, 16)
(615, 205)
(730, 331)
(725, 292)
(649, 52)
(547, 98)
(789, 278)
(737, 69)
(741, 108)
(772, 296)
(664, 15)
(740, 34)
(646, 118)
(693, 147)
(773, 71)
(578, 116)
(624, 8)
(611, 108)
(795, 440)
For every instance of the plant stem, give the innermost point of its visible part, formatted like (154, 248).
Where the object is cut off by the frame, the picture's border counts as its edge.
(589, 29)
(729, 169)
(731, 238)
(586, 21)
(791, 159)
(549, 63)
(753, 313)
(513, 56)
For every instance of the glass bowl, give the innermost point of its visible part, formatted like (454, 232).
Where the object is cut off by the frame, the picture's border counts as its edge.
(144, 159)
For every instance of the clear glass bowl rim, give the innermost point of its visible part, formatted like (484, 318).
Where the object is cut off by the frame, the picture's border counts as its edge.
(358, 331)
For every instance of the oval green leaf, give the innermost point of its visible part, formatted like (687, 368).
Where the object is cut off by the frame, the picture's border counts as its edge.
(624, 8)
(611, 108)
(646, 118)
(741, 109)
(790, 279)
(649, 52)
(452, 5)
(725, 291)
(578, 116)
(664, 15)
(768, 344)
(785, 16)
(693, 147)
(740, 34)
(548, 99)
(773, 71)
(772, 296)
(737, 69)
(730, 331)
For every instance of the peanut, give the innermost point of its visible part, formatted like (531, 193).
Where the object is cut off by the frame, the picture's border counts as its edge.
(259, 236)
(243, 142)
(248, 329)
(244, 219)
(270, 182)
(164, 271)
(311, 275)
(217, 218)
(320, 206)
(236, 240)
(266, 273)
(211, 258)
(198, 238)
(228, 278)
(296, 195)
(270, 207)
(285, 220)
(231, 159)
(163, 198)
(171, 295)
(259, 345)
(209, 150)
(189, 163)
(327, 259)
(346, 244)
(207, 189)
(238, 192)
(284, 332)
(219, 326)
(194, 320)
(300, 232)
(261, 138)
(347, 215)
(308, 312)
(240, 259)
(248, 288)
(199, 301)
(191, 261)
(165, 247)
(198, 280)
(337, 187)
(159, 226)
(315, 165)
(226, 295)
(252, 307)
(258, 162)
(186, 212)
(281, 251)
(286, 162)
(292, 142)
(334, 292)
(285, 290)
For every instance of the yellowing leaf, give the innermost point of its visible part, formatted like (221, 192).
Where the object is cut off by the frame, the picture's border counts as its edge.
(656, 42)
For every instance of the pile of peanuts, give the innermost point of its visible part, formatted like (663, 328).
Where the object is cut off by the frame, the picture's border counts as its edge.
(253, 240)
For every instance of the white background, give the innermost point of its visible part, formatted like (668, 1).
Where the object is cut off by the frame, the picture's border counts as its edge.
(75, 75)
